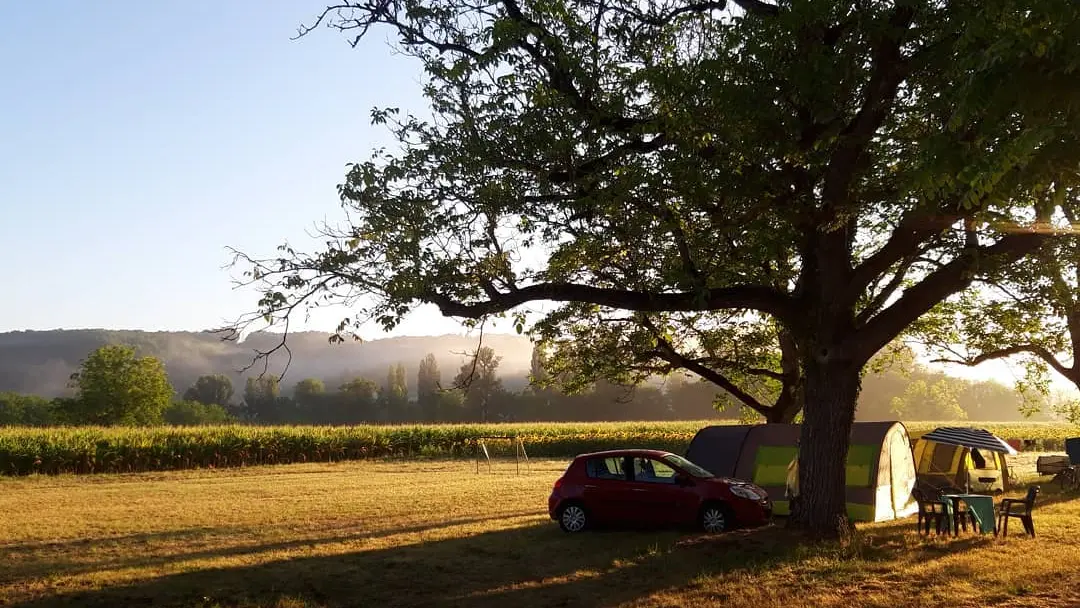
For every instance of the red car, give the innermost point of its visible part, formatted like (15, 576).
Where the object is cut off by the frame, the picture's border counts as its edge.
(652, 487)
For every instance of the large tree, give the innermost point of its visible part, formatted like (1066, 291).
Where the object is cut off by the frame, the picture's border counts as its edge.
(394, 395)
(479, 382)
(837, 168)
(309, 393)
(263, 401)
(116, 387)
(216, 389)
(356, 400)
(428, 387)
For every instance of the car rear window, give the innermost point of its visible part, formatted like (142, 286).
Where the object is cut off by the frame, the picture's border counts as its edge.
(605, 468)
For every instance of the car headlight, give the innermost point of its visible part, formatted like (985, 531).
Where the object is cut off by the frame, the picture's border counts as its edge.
(745, 492)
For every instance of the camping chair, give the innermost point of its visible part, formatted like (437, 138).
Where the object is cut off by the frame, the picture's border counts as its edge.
(1019, 508)
(931, 509)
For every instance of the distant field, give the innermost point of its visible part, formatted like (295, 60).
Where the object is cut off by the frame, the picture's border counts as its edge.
(435, 533)
(111, 450)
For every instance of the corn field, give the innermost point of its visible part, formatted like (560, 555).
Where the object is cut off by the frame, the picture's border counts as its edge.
(84, 450)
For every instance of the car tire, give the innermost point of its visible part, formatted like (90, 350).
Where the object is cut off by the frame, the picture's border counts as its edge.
(716, 517)
(573, 517)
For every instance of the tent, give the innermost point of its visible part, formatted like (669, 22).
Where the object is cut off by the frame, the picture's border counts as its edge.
(965, 458)
(880, 470)
(1072, 448)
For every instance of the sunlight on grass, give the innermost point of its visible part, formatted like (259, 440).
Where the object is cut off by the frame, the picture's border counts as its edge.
(437, 533)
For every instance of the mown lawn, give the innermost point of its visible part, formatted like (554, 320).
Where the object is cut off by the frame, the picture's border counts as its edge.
(391, 534)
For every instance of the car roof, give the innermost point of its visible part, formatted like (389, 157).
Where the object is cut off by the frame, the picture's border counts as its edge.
(624, 452)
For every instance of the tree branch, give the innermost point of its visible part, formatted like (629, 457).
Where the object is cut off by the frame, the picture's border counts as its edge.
(906, 239)
(886, 292)
(1034, 349)
(590, 167)
(887, 72)
(752, 371)
(756, 7)
(949, 279)
(557, 65)
(753, 297)
(668, 353)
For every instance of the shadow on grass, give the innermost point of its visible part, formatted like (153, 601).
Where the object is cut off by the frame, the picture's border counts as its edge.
(527, 566)
(534, 565)
(18, 569)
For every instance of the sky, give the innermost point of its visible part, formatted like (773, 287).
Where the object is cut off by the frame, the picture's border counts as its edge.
(139, 140)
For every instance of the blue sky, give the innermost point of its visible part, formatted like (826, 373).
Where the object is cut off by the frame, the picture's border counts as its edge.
(138, 140)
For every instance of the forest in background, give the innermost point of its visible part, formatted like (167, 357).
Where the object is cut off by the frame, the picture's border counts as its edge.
(41, 362)
(423, 379)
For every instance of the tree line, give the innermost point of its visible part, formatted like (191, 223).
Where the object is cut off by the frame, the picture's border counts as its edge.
(115, 387)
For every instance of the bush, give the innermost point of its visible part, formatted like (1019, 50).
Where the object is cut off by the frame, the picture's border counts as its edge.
(26, 410)
(193, 413)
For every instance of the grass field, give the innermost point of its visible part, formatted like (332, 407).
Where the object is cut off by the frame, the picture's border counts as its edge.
(111, 450)
(396, 534)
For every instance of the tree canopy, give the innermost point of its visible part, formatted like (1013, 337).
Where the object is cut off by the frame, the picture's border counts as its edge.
(479, 381)
(115, 387)
(837, 169)
(1029, 312)
(216, 389)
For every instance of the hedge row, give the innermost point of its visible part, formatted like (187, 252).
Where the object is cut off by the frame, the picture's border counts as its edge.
(83, 450)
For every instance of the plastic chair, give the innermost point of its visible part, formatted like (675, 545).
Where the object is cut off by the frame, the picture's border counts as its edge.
(1020, 508)
(931, 510)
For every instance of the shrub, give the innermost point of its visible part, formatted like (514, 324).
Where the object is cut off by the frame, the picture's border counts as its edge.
(194, 413)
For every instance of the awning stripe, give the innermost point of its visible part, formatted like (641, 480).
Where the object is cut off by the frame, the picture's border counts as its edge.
(969, 438)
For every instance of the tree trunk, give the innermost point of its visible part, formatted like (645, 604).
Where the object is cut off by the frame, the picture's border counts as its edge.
(831, 390)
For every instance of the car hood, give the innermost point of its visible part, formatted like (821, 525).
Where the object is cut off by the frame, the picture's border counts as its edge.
(731, 481)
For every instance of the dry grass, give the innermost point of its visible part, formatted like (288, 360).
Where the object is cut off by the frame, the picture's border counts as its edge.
(438, 534)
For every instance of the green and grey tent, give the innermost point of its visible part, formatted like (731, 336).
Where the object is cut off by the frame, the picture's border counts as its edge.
(880, 467)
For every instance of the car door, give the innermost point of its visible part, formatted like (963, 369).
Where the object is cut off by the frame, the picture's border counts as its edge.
(607, 488)
(655, 497)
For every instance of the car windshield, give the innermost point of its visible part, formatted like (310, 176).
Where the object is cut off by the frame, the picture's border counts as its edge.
(686, 465)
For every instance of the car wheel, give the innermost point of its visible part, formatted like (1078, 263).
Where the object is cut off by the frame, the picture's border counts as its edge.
(716, 518)
(573, 518)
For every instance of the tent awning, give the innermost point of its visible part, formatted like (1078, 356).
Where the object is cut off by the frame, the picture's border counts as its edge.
(969, 438)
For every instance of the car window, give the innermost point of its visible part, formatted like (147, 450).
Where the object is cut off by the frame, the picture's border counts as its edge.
(605, 468)
(977, 459)
(687, 466)
(653, 471)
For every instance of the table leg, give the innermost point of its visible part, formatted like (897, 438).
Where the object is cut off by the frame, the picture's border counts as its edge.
(956, 517)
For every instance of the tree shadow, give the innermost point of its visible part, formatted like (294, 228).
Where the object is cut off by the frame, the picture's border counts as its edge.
(131, 544)
(533, 565)
(537, 564)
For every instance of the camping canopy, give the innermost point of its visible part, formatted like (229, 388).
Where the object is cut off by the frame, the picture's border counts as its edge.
(980, 439)
(966, 458)
(880, 470)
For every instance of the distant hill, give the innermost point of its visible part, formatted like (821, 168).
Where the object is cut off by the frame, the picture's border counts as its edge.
(41, 362)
